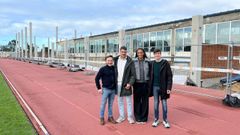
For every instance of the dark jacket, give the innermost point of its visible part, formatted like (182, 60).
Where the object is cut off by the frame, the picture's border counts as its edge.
(128, 76)
(107, 75)
(165, 78)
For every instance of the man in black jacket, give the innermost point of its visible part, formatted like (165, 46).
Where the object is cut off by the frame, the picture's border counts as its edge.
(125, 77)
(108, 90)
(161, 85)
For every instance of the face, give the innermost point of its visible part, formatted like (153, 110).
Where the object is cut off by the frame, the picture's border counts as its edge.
(109, 61)
(140, 54)
(157, 56)
(123, 53)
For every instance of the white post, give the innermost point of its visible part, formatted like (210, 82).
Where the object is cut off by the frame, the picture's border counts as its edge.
(52, 51)
(18, 45)
(86, 51)
(30, 34)
(57, 41)
(22, 55)
(66, 49)
(26, 45)
(48, 48)
(121, 38)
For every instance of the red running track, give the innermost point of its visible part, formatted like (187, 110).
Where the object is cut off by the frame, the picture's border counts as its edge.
(68, 104)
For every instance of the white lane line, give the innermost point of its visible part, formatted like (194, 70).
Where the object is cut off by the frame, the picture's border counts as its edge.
(197, 93)
(71, 103)
(44, 130)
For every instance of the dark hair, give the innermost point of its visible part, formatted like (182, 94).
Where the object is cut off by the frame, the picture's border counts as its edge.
(123, 48)
(157, 50)
(144, 53)
(108, 56)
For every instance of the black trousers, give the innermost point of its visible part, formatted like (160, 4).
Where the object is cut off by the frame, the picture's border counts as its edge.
(141, 102)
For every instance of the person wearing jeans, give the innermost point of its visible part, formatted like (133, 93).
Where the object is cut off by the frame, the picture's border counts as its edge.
(108, 90)
(161, 85)
(125, 77)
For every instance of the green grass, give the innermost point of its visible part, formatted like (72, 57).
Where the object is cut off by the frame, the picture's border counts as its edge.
(13, 120)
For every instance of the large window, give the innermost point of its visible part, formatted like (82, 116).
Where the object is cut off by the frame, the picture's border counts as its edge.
(112, 45)
(92, 47)
(127, 41)
(167, 36)
(223, 32)
(183, 39)
(159, 38)
(146, 42)
(235, 32)
(210, 33)
(140, 41)
(152, 41)
(135, 42)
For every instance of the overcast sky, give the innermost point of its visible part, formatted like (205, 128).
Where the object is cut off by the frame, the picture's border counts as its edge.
(97, 16)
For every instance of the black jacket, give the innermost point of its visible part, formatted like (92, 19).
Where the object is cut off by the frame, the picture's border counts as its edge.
(107, 75)
(165, 78)
(128, 76)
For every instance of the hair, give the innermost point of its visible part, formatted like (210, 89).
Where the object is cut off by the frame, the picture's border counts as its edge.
(108, 56)
(123, 48)
(157, 50)
(144, 53)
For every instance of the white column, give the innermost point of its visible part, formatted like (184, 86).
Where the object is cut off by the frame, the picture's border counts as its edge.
(26, 45)
(18, 50)
(196, 48)
(48, 48)
(52, 51)
(30, 38)
(66, 49)
(22, 55)
(16, 45)
(57, 41)
(86, 51)
(121, 38)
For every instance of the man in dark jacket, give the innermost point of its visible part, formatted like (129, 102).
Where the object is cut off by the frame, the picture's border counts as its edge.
(125, 77)
(161, 85)
(108, 90)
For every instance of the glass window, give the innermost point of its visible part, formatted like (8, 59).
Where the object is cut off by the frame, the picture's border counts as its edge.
(159, 40)
(166, 40)
(235, 32)
(116, 45)
(187, 39)
(134, 43)
(103, 46)
(140, 41)
(223, 32)
(146, 42)
(152, 41)
(210, 33)
(91, 46)
(179, 40)
(127, 41)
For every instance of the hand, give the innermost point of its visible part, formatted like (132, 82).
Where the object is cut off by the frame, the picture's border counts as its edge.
(168, 91)
(128, 86)
(100, 91)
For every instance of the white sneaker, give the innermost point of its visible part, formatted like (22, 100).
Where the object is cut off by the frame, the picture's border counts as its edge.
(166, 124)
(120, 120)
(131, 121)
(155, 123)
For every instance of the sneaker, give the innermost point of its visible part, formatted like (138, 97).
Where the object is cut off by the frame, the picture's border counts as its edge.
(166, 124)
(102, 122)
(131, 121)
(120, 120)
(111, 119)
(155, 123)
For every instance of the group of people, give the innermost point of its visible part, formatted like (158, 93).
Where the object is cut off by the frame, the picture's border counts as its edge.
(137, 78)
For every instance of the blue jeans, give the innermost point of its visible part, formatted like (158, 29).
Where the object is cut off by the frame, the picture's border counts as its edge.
(121, 104)
(156, 94)
(107, 95)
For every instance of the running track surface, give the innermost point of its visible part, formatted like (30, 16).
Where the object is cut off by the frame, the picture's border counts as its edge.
(68, 104)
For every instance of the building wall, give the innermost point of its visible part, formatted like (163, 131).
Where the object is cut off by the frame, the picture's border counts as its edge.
(210, 54)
